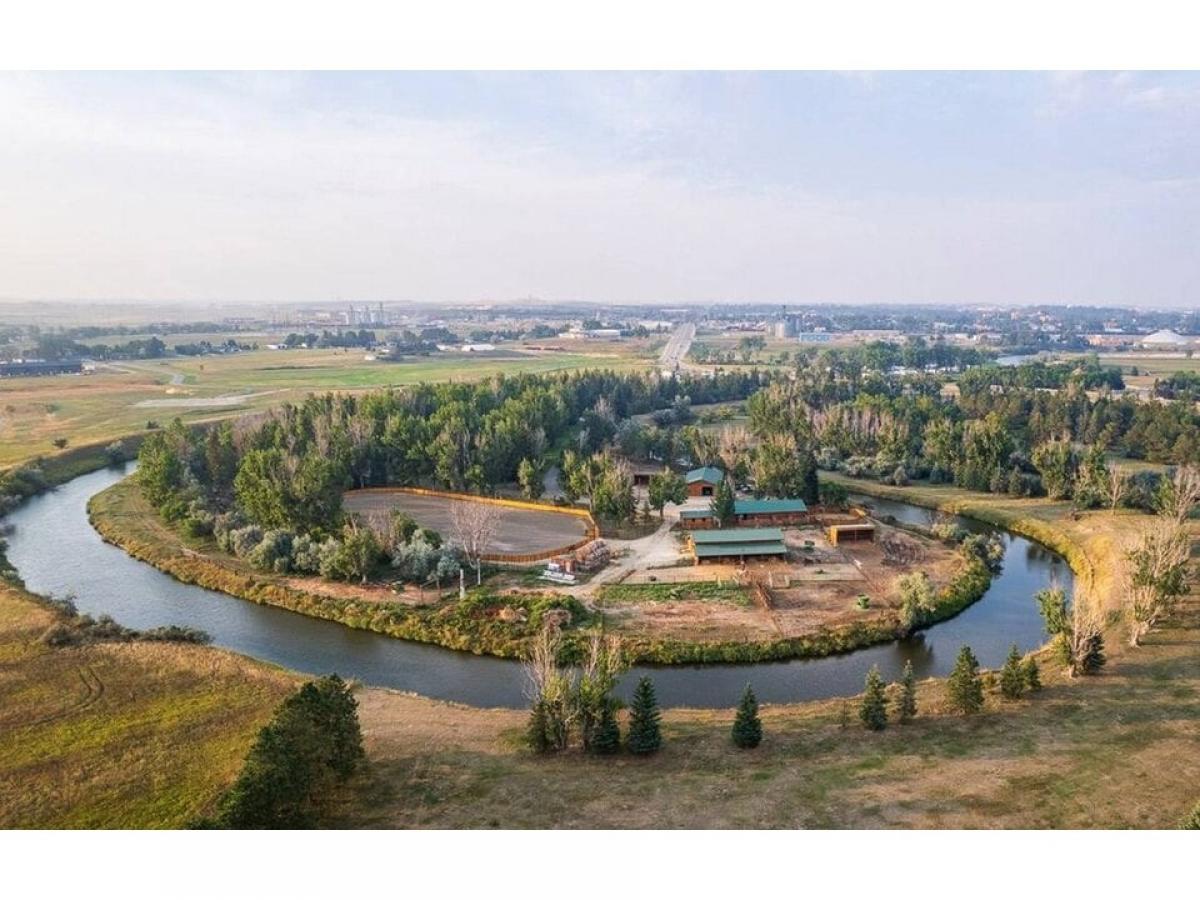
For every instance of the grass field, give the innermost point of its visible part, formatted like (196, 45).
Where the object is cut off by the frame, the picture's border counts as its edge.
(120, 735)
(104, 405)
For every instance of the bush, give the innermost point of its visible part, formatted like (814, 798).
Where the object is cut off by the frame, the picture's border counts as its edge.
(116, 453)
(747, 727)
(243, 540)
(1033, 677)
(312, 742)
(950, 532)
(1192, 820)
(274, 552)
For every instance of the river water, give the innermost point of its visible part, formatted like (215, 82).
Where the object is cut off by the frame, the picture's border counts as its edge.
(57, 552)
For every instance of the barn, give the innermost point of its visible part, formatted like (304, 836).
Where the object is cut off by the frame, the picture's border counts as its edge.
(703, 482)
(750, 513)
(737, 545)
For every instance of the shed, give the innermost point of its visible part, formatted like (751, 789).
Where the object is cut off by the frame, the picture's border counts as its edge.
(703, 482)
(851, 532)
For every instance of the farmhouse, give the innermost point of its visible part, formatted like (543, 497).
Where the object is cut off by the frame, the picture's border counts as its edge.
(730, 544)
(703, 482)
(750, 513)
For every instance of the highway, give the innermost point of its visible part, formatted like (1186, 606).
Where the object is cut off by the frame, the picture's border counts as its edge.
(674, 353)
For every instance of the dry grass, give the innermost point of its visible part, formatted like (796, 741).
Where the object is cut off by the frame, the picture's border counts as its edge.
(1118, 750)
(120, 735)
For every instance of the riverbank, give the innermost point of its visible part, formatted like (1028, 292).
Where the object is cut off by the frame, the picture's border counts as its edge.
(120, 735)
(486, 622)
(1118, 750)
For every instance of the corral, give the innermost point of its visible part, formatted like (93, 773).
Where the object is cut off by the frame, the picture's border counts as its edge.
(530, 531)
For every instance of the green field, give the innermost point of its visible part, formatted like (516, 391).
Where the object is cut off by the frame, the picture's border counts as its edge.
(105, 405)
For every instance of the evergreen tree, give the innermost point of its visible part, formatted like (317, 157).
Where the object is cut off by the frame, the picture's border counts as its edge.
(747, 727)
(1012, 676)
(1033, 676)
(873, 708)
(906, 708)
(606, 738)
(722, 506)
(537, 732)
(644, 735)
(964, 684)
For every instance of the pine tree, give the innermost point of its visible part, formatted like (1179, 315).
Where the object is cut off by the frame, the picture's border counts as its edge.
(723, 504)
(747, 727)
(606, 739)
(1033, 675)
(1012, 676)
(644, 735)
(873, 708)
(537, 731)
(906, 708)
(964, 684)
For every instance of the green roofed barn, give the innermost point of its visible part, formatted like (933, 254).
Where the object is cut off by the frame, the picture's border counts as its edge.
(737, 544)
(750, 513)
(703, 482)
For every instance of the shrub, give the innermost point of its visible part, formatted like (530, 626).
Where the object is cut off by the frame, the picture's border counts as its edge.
(747, 727)
(306, 554)
(116, 453)
(537, 732)
(950, 532)
(606, 738)
(964, 685)
(274, 552)
(1192, 820)
(645, 734)
(243, 540)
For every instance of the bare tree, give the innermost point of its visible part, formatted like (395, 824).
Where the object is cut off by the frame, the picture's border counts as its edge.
(733, 445)
(550, 687)
(1182, 493)
(1115, 487)
(474, 527)
(1155, 575)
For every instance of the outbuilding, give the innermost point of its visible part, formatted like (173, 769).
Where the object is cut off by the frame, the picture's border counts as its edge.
(737, 544)
(851, 532)
(703, 482)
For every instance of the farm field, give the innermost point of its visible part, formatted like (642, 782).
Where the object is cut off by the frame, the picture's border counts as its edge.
(103, 406)
(518, 530)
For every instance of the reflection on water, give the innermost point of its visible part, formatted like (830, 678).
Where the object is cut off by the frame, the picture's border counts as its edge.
(57, 552)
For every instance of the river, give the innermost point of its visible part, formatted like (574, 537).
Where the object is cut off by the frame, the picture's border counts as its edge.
(57, 552)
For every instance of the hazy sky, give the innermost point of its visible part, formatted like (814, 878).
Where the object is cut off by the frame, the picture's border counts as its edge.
(607, 187)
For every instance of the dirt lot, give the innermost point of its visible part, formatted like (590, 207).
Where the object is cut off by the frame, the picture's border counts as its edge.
(804, 597)
(519, 530)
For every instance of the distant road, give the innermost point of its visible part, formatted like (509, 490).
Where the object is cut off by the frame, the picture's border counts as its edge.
(675, 352)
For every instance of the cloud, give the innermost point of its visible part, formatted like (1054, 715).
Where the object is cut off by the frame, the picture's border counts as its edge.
(253, 188)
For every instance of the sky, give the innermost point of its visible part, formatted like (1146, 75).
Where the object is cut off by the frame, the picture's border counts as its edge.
(608, 187)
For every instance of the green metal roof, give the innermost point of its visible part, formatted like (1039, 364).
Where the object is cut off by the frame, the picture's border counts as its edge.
(745, 507)
(737, 535)
(711, 474)
(695, 514)
(758, 548)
